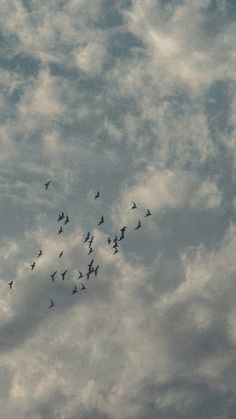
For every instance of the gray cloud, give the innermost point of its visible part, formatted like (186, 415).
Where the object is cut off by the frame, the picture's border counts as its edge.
(135, 99)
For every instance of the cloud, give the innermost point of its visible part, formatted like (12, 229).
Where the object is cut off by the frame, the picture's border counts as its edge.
(135, 99)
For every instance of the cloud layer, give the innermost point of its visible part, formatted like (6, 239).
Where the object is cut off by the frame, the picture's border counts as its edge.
(135, 99)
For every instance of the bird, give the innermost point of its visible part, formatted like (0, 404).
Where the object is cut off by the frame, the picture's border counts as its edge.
(33, 266)
(80, 275)
(90, 264)
(108, 240)
(60, 255)
(10, 284)
(61, 216)
(101, 221)
(90, 251)
(51, 305)
(63, 275)
(97, 195)
(115, 245)
(123, 229)
(91, 241)
(67, 220)
(87, 237)
(53, 275)
(90, 271)
(138, 226)
(74, 290)
(115, 251)
(40, 253)
(134, 206)
(96, 270)
(47, 184)
(60, 231)
(121, 237)
(83, 287)
(148, 213)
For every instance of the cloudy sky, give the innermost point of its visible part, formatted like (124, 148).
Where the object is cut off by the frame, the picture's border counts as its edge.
(136, 99)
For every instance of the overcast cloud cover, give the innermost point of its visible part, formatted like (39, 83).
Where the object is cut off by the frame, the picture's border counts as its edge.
(136, 98)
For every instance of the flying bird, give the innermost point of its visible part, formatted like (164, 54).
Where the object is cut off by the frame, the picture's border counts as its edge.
(74, 290)
(60, 255)
(83, 287)
(96, 270)
(90, 264)
(115, 245)
(122, 236)
(33, 266)
(134, 206)
(138, 226)
(87, 237)
(47, 184)
(80, 275)
(97, 195)
(148, 213)
(10, 284)
(60, 231)
(101, 221)
(108, 240)
(63, 275)
(123, 229)
(61, 216)
(90, 251)
(40, 253)
(90, 271)
(67, 220)
(115, 251)
(53, 276)
(51, 305)
(91, 241)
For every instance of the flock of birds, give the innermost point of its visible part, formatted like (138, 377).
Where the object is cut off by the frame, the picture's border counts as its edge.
(92, 269)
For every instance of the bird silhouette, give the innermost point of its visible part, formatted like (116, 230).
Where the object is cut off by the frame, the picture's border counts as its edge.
(83, 287)
(90, 271)
(108, 240)
(115, 245)
(123, 229)
(138, 226)
(10, 284)
(134, 206)
(115, 251)
(122, 236)
(60, 230)
(90, 251)
(87, 237)
(53, 276)
(60, 255)
(74, 290)
(51, 305)
(97, 195)
(63, 275)
(67, 220)
(61, 216)
(40, 253)
(91, 241)
(101, 221)
(90, 264)
(80, 275)
(47, 184)
(33, 266)
(96, 270)
(148, 213)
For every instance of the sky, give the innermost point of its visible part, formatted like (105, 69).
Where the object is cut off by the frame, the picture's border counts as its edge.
(136, 99)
